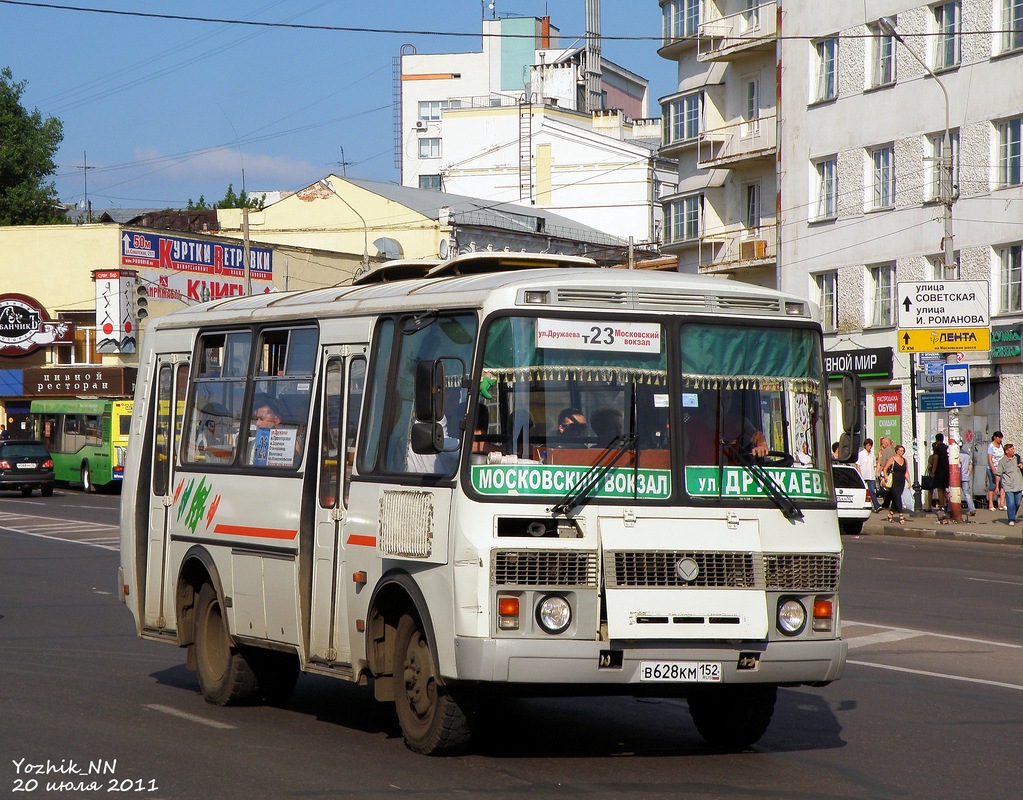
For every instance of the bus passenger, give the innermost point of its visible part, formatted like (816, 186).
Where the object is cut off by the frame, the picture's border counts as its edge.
(607, 423)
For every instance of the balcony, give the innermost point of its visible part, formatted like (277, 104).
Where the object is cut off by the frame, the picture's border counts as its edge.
(739, 248)
(737, 35)
(747, 140)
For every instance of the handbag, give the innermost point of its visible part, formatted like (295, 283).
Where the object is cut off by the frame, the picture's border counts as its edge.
(927, 483)
(886, 480)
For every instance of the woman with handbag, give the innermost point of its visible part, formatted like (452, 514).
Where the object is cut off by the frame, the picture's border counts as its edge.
(894, 476)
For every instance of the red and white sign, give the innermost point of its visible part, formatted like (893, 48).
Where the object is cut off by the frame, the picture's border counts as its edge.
(115, 327)
(888, 404)
(25, 326)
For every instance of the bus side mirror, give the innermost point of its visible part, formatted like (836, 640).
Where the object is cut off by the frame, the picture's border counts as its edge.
(849, 442)
(427, 438)
(429, 391)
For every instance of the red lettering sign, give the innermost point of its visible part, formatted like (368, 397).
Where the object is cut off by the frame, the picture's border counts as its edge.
(888, 404)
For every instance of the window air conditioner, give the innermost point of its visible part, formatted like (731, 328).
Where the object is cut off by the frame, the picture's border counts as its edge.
(753, 250)
(420, 124)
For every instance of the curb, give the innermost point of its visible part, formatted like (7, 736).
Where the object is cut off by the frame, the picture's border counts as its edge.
(942, 532)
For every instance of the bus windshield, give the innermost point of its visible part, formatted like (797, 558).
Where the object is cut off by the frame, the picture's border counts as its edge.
(736, 407)
(752, 394)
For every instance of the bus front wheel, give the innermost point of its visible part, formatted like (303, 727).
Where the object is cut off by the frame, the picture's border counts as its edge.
(225, 676)
(434, 719)
(733, 717)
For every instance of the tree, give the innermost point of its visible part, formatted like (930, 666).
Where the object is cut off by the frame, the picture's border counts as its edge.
(28, 143)
(231, 200)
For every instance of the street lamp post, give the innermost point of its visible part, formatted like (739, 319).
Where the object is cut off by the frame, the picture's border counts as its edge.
(365, 229)
(948, 267)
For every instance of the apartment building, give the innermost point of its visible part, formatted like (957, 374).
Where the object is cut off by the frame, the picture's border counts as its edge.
(721, 124)
(872, 96)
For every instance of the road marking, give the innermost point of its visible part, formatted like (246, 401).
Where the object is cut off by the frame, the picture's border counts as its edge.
(938, 635)
(53, 538)
(991, 580)
(190, 717)
(894, 635)
(939, 674)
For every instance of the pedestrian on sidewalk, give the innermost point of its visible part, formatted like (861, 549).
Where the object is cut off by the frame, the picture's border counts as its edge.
(867, 466)
(966, 478)
(995, 451)
(938, 469)
(899, 469)
(1011, 480)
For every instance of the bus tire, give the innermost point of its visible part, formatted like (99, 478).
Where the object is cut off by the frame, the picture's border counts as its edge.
(733, 717)
(26, 491)
(434, 720)
(46, 491)
(87, 484)
(225, 676)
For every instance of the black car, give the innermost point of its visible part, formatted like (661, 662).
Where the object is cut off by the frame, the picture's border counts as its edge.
(25, 464)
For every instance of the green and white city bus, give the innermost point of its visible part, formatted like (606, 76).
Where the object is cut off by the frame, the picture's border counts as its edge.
(87, 439)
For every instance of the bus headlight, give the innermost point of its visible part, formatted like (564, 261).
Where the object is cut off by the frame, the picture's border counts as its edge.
(554, 614)
(791, 616)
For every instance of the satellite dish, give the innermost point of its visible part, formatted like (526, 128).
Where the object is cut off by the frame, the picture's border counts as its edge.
(443, 249)
(390, 248)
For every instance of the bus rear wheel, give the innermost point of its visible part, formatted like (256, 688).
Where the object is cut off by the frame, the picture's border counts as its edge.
(733, 717)
(87, 484)
(225, 676)
(434, 719)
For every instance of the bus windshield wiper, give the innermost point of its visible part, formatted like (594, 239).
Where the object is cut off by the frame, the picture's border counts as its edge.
(784, 503)
(580, 493)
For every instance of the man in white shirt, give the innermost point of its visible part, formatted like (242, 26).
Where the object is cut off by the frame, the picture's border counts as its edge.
(995, 495)
(867, 466)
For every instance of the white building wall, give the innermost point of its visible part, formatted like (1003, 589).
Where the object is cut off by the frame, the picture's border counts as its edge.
(983, 90)
(597, 180)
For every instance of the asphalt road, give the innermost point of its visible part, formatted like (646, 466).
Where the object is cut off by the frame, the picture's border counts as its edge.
(931, 704)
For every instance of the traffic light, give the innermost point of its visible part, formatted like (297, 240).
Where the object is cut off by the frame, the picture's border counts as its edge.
(141, 302)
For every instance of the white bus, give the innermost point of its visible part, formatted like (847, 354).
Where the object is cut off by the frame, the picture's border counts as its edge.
(501, 473)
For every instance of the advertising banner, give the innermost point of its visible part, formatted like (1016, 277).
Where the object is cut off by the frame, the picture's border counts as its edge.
(178, 254)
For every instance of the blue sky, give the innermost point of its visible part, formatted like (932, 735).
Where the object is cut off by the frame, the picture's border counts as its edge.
(166, 110)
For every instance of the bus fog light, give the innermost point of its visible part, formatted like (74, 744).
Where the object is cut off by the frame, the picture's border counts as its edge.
(791, 616)
(554, 614)
(508, 613)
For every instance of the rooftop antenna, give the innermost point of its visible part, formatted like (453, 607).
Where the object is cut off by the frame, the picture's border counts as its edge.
(342, 163)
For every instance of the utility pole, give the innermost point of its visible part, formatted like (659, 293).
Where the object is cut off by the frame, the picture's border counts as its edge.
(949, 272)
(85, 171)
(245, 238)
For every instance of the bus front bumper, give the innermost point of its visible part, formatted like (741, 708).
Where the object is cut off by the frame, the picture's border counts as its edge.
(609, 664)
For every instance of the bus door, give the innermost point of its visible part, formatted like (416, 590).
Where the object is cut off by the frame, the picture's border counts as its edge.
(169, 404)
(342, 384)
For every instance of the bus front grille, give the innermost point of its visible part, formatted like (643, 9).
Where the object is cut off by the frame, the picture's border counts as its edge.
(796, 572)
(543, 568)
(659, 569)
(801, 572)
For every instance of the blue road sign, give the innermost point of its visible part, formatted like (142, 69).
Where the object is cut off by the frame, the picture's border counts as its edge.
(957, 385)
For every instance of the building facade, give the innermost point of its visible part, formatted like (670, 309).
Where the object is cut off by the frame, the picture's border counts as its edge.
(861, 206)
(69, 305)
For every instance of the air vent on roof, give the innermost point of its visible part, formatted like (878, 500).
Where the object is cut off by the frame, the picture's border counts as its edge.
(588, 297)
(762, 305)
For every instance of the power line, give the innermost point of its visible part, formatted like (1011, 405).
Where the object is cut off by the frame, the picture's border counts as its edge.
(410, 32)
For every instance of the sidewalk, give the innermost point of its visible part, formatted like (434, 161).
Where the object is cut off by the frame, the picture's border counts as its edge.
(987, 526)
